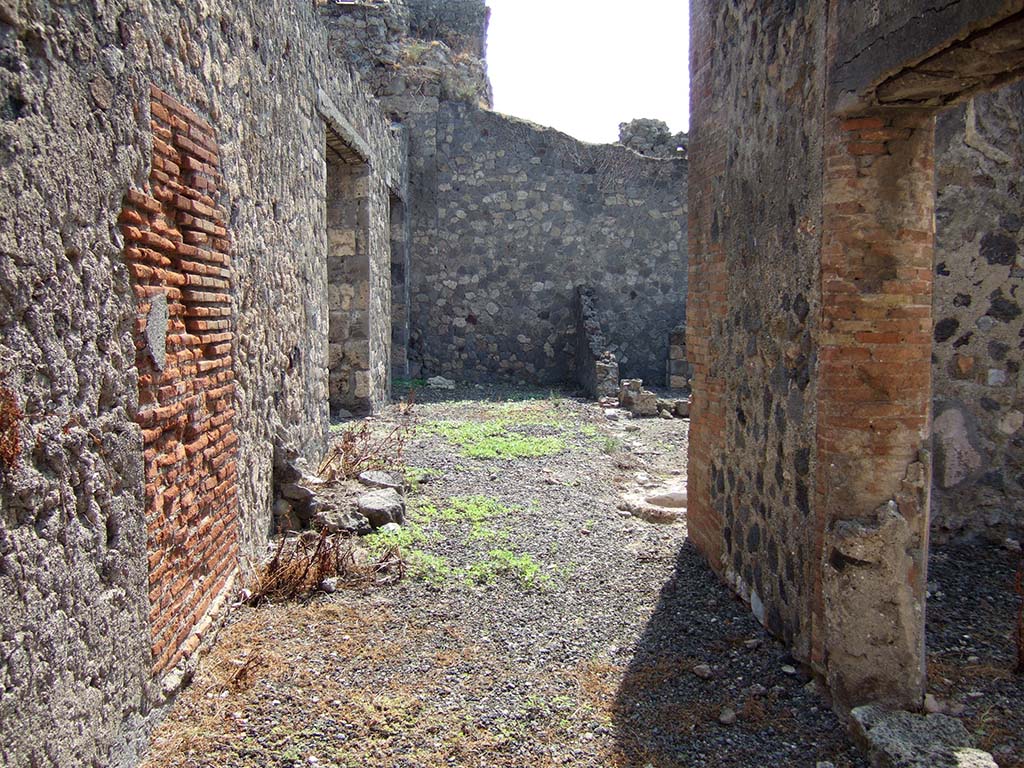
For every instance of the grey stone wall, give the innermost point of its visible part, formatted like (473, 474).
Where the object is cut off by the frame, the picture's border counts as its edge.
(460, 24)
(678, 368)
(414, 48)
(520, 216)
(401, 268)
(979, 288)
(74, 138)
(761, 209)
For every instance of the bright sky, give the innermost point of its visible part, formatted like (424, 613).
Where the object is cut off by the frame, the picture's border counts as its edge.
(584, 66)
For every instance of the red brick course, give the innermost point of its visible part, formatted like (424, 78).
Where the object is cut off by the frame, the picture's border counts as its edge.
(186, 410)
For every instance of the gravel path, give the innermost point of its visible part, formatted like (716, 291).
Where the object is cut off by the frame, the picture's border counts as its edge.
(971, 648)
(539, 626)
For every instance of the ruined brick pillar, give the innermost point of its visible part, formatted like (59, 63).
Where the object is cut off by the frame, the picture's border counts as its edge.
(871, 491)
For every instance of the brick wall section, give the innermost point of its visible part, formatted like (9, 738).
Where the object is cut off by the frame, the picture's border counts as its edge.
(706, 300)
(176, 244)
(875, 382)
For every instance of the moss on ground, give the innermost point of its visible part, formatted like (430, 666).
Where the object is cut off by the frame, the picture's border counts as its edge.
(497, 438)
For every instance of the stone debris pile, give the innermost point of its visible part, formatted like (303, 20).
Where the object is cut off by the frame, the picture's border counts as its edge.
(307, 500)
(643, 403)
(652, 138)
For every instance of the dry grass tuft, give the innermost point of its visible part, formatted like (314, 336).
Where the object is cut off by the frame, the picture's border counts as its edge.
(360, 448)
(301, 563)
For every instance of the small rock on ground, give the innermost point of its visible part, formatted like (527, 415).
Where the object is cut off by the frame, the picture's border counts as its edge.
(382, 507)
(375, 478)
(898, 739)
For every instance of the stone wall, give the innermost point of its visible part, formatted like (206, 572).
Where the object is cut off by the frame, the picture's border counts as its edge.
(77, 637)
(401, 268)
(412, 50)
(527, 212)
(754, 304)
(509, 219)
(597, 370)
(460, 24)
(979, 286)
(810, 312)
(678, 369)
(652, 138)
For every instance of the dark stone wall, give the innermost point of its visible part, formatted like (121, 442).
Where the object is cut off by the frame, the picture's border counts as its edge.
(809, 313)
(979, 322)
(520, 216)
(460, 24)
(879, 39)
(758, 183)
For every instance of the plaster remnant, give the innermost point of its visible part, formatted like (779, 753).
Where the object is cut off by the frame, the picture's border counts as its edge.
(956, 457)
(156, 330)
(874, 616)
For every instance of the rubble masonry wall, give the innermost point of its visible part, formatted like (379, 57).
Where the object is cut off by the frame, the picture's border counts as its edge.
(76, 647)
(509, 219)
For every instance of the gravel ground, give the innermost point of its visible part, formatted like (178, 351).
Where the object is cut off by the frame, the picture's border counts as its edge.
(971, 648)
(592, 639)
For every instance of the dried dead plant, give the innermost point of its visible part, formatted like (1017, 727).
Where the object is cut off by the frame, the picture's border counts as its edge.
(359, 448)
(300, 564)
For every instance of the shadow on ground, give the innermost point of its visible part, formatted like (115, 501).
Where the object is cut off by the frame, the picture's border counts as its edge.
(972, 654)
(468, 392)
(667, 715)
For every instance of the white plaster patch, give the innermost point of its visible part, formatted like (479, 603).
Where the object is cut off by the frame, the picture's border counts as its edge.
(996, 377)
(756, 606)
(959, 458)
(156, 330)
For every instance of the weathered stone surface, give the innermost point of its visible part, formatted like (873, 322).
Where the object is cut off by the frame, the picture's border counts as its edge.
(413, 48)
(754, 307)
(343, 518)
(652, 138)
(597, 370)
(75, 639)
(675, 498)
(463, 162)
(440, 382)
(156, 330)
(898, 739)
(637, 400)
(382, 507)
(678, 366)
(874, 610)
(956, 458)
(808, 318)
(978, 325)
(511, 218)
(376, 478)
